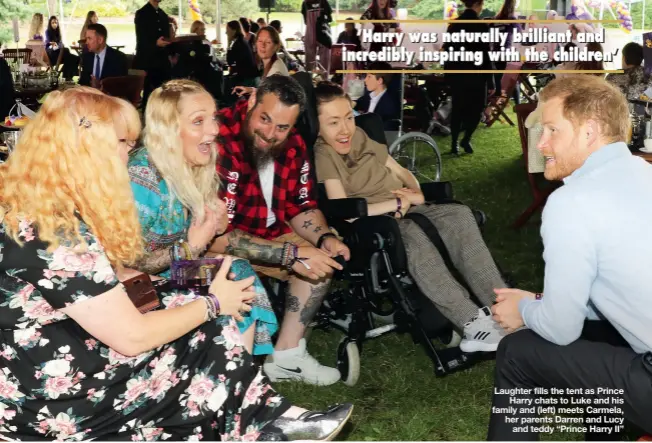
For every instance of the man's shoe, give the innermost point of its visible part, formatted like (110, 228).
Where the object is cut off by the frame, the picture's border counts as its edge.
(297, 364)
(311, 425)
(482, 334)
(455, 150)
(468, 148)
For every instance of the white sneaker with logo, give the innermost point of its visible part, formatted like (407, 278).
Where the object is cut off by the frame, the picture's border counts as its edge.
(297, 364)
(482, 334)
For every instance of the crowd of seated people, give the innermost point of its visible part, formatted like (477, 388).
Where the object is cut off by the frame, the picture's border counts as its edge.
(104, 369)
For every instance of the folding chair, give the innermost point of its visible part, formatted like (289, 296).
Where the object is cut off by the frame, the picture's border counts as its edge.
(497, 104)
(21, 55)
(128, 87)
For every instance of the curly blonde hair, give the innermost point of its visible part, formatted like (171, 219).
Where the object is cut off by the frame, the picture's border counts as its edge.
(195, 187)
(67, 165)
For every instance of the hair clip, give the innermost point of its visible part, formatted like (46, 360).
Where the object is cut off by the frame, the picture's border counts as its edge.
(85, 123)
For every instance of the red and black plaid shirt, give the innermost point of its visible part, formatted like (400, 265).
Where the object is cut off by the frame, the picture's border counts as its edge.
(293, 185)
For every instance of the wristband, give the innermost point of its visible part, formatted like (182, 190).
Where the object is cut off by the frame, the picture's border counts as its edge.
(399, 204)
(324, 237)
(538, 296)
(210, 309)
(216, 302)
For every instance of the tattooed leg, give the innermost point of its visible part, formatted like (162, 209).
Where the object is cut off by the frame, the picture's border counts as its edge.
(303, 299)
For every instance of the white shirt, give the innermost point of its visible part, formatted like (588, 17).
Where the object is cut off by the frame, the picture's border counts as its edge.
(266, 176)
(278, 67)
(374, 100)
(101, 55)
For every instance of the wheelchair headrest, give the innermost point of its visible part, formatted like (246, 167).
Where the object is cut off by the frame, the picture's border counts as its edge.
(372, 124)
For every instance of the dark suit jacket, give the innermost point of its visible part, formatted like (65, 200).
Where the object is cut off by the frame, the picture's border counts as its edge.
(487, 64)
(6, 89)
(151, 23)
(388, 108)
(241, 60)
(115, 65)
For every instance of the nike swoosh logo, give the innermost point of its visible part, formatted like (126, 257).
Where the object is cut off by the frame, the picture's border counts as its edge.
(296, 371)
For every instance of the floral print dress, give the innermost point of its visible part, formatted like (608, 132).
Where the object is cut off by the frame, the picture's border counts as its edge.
(59, 382)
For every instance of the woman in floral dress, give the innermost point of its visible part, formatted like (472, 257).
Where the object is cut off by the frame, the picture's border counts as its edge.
(175, 184)
(77, 359)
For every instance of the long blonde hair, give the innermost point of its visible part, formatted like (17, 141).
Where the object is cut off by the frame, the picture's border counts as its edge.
(195, 187)
(67, 163)
(88, 21)
(36, 27)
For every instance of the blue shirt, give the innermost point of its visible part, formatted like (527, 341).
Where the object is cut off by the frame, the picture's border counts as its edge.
(597, 238)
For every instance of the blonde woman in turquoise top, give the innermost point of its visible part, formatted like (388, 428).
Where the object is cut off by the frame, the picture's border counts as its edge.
(175, 184)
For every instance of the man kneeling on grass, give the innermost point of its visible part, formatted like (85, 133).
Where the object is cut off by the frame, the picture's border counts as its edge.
(591, 329)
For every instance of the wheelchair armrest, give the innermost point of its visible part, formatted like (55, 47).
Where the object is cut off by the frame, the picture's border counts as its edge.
(344, 208)
(437, 192)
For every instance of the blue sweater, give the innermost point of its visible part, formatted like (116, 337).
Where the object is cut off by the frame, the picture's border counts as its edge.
(597, 237)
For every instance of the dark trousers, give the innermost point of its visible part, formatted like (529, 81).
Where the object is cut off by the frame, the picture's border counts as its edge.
(155, 78)
(469, 99)
(600, 358)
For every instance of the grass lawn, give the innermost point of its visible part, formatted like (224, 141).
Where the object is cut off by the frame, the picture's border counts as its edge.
(398, 396)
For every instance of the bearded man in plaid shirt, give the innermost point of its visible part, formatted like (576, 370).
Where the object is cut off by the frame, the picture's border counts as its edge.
(274, 221)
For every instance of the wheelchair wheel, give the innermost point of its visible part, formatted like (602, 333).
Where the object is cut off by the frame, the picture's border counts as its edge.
(348, 361)
(418, 153)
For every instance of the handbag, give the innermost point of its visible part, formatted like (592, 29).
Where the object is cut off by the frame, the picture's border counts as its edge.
(142, 293)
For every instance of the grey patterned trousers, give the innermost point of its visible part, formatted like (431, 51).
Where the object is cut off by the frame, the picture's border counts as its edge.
(468, 252)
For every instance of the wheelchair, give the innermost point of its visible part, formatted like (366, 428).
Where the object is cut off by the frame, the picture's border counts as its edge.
(375, 286)
(415, 151)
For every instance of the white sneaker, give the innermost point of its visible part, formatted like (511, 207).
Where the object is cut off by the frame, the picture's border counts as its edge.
(297, 364)
(482, 334)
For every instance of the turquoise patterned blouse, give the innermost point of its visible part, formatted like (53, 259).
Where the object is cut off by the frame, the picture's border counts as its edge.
(163, 223)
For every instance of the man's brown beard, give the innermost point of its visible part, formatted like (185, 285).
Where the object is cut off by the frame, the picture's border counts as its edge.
(260, 157)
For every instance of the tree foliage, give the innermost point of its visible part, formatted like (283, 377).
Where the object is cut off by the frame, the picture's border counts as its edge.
(9, 10)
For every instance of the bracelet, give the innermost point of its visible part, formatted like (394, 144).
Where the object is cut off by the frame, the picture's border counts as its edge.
(398, 214)
(293, 253)
(324, 237)
(210, 310)
(399, 204)
(538, 296)
(216, 302)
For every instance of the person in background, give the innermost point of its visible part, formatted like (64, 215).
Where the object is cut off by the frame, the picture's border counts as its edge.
(590, 328)
(254, 27)
(276, 24)
(588, 65)
(468, 91)
(248, 36)
(350, 164)
(268, 43)
(91, 18)
(36, 27)
(273, 217)
(261, 22)
(379, 10)
(200, 60)
(7, 100)
(317, 15)
(240, 58)
(101, 61)
(378, 99)
(106, 371)
(175, 187)
(634, 81)
(350, 36)
(56, 50)
(152, 38)
(506, 13)
(36, 43)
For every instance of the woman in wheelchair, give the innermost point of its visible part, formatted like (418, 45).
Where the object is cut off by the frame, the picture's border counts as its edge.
(350, 164)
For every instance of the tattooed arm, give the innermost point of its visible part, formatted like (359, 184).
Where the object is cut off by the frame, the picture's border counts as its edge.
(159, 260)
(240, 244)
(310, 225)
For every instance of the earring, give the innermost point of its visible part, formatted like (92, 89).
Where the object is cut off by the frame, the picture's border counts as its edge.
(85, 122)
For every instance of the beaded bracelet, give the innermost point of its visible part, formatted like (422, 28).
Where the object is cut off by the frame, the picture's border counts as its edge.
(210, 310)
(215, 301)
